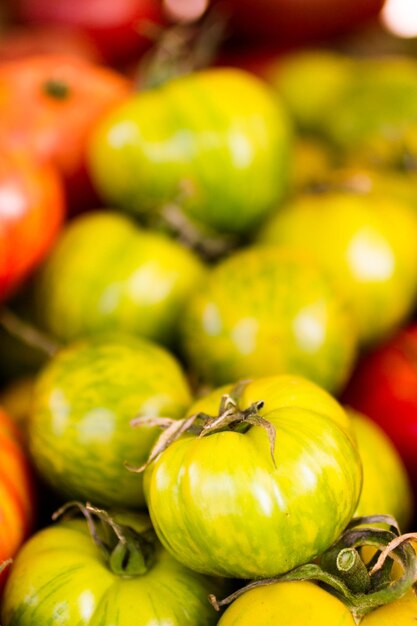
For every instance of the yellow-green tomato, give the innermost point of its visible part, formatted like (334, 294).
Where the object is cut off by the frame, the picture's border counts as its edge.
(215, 142)
(61, 578)
(79, 431)
(268, 311)
(223, 505)
(106, 274)
(287, 604)
(367, 243)
(386, 488)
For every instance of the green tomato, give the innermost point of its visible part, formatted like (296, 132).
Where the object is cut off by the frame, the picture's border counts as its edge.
(79, 431)
(180, 143)
(386, 488)
(221, 504)
(105, 274)
(61, 578)
(367, 243)
(267, 311)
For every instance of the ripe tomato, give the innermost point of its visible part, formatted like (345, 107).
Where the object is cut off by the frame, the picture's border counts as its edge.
(305, 604)
(367, 243)
(222, 505)
(386, 488)
(144, 292)
(384, 387)
(269, 311)
(31, 212)
(62, 577)
(117, 29)
(16, 491)
(48, 104)
(180, 142)
(79, 431)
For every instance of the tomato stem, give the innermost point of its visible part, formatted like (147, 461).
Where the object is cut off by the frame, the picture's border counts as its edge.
(57, 89)
(360, 586)
(127, 551)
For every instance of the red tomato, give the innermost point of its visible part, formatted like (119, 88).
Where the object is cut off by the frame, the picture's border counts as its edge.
(48, 104)
(23, 41)
(384, 387)
(16, 491)
(296, 21)
(113, 25)
(31, 212)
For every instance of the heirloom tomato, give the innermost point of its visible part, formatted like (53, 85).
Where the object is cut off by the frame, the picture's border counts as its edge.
(62, 578)
(79, 431)
(304, 603)
(367, 243)
(266, 311)
(386, 488)
(48, 104)
(16, 490)
(179, 143)
(31, 213)
(233, 503)
(133, 280)
(384, 387)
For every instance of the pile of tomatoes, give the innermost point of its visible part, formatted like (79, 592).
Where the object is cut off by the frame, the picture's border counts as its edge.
(208, 277)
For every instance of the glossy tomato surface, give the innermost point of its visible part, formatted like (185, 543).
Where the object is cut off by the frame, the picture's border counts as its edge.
(133, 280)
(32, 209)
(48, 104)
(266, 311)
(79, 432)
(386, 488)
(180, 142)
(384, 387)
(218, 500)
(61, 578)
(367, 243)
(16, 491)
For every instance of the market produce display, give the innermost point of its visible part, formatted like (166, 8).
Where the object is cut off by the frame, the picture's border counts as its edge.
(208, 291)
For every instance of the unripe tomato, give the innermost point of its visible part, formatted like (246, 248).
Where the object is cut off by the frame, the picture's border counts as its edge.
(107, 274)
(180, 142)
(229, 505)
(367, 243)
(269, 311)
(79, 431)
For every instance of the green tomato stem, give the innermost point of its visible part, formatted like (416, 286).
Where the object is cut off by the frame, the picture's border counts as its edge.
(362, 588)
(128, 553)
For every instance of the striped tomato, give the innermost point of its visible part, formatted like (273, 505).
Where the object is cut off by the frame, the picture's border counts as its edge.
(16, 490)
(181, 142)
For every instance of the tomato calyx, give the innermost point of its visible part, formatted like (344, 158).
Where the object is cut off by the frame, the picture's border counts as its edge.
(27, 333)
(5, 564)
(230, 418)
(127, 549)
(362, 586)
(56, 89)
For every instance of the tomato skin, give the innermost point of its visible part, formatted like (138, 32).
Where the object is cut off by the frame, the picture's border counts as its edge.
(143, 293)
(305, 604)
(386, 488)
(287, 603)
(367, 243)
(113, 27)
(269, 311)
(56, 128)
(179, 142)
(384, 387)
(17, 500)
(79, 431)
(60, 578)
(32, 209)
(217, 501)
